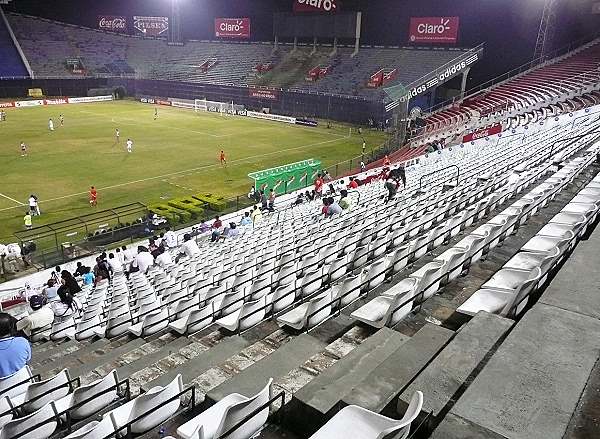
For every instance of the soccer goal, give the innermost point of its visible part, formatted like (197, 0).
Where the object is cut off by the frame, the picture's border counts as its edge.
(216, 107)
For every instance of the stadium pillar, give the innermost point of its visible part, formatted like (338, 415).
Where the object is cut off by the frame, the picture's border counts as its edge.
(275, 44)
(463, 85)
(314, 46)
(334, 51)
(175, 24)
(295, 44)
(357, 34)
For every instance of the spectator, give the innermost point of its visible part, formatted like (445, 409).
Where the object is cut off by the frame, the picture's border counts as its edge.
(142, 261)
(189, 248)
(27, 220)
(120, 256)
(318, 186)
(331, 189)
(16, 351)
(246, 220)
(129, 254)
(386, 161)
(271, 200)
(88, 277)
(309, 195)
(353, 183)
(40, 316)
(363, 167)
(256, 215)
(233, 231)
(115, 265)
(170, 239)
(68, 283)
(68, 306)
(80, 270)
(216, 229)
(344, 202)
(326, 176)
(299, 199)
(391, 184)
(101, 270)
(325, 206)
(152, 245)
(51, 290)
(264, 204)
(333, 208)
(252, 193)
(164, 258)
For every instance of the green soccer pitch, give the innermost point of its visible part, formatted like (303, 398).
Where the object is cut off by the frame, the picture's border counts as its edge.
(175, 155)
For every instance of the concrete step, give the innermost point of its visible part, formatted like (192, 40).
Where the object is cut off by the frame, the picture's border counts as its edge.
(313, 404)
(193, 360)
(532, 385)
(49, 351)
(73, 358)
(253, 378)
(443, 378)
(378, 390)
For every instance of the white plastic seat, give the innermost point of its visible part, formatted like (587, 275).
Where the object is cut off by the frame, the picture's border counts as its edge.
(46, 416)
(5, 407)
(346, 291)
(9, 386)
(86, 328)
(312, 281)
(93, 394)
(390, 307)
(229, 302)
(151, 323)
(298, 318)
(338, 268)
(195, 321)
(226, 414)
(248, 315)
(430, 277)
(454, 259)
(398, 259)
(94, 430)
(42, 392)
(375, 274)
(282, 297)
(356, 422)
(155, 398)
(64, 328)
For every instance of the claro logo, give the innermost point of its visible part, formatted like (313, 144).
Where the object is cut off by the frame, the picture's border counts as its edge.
(428, 29)
(324, 5)
(231, 27)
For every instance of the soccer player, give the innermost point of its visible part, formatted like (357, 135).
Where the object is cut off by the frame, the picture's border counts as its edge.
(222, 158)
(117, 135)
(23, 149)
(50, 124)
(62, 120)
(155, 113)
(27, 220)
(364, 147)
(129, 145)
(93, 196)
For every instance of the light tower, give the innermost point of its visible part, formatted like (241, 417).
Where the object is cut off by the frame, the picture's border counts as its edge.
(546, 31)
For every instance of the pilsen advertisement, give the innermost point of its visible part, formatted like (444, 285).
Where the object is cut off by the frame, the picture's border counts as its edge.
(261, 93)
(443, 30)
(151, 26)
(232, 27)
(323, 6)
(112, 23)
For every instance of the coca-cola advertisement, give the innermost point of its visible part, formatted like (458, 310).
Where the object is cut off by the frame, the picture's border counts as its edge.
(261, 93)
(494, 129)
(442, 30)
(232, 27)
(323, 6)
(7, 104)
(151, 26)
(112, 23)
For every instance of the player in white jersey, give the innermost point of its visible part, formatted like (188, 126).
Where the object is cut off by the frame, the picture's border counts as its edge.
(129, 145)
(117, 135)
(50, 124)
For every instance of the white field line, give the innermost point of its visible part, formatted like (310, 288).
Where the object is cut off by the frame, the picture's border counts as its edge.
(174, 174)
(12, 199)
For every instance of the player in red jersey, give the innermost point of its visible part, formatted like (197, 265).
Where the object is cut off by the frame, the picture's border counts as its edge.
(93, 196)
(222, 158)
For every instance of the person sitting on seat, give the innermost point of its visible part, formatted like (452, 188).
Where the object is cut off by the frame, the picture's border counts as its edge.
(40, 317)
(50, 292)
(216, 229)
(68, 306)
(189, 248)
(344, 202)
(333, 208)
(16, 351)
(246, 220)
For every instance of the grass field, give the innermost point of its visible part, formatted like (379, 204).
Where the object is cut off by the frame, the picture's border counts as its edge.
(173, 156)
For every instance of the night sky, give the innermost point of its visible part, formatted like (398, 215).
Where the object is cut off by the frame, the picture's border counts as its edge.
(507, 27)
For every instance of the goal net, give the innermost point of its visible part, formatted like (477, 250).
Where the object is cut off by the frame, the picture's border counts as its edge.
(216, 107)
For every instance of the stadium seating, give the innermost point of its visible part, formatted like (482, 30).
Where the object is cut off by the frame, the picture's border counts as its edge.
(12, 65)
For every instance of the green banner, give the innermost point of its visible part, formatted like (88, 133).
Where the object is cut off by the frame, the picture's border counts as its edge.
(287, 178)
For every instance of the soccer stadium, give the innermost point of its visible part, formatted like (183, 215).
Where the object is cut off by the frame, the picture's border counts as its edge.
(299, 219)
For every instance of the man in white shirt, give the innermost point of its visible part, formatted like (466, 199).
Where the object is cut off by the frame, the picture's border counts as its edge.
(170, 239)
(164, 259)
(33, 205)
(50, 124)
(143, 260)
(115, 264)
(41, 316)
(129, 145)
(189, 247)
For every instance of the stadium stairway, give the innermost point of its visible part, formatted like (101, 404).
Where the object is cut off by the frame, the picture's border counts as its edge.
(12, 65)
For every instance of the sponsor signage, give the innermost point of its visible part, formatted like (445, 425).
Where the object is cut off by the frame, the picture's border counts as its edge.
(7, 104)
(494, 129)
(260, 93)
(112, 23)
(306, 122)
(58, 101)
(232, 27)
(442, 30)
(33, 103)
(441, 76)
(326, 6)
(151, 26)
(90, 99)
(274, 117)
